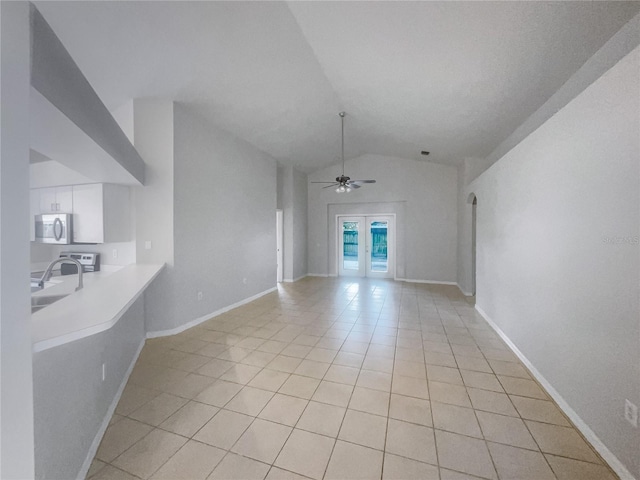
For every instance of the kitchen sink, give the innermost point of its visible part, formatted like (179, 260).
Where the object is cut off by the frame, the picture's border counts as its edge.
(39, 302)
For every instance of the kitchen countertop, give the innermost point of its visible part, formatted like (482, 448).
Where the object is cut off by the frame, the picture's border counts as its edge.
(93, 309)
(66, 284)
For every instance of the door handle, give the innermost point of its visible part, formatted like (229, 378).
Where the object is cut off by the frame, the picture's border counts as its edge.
(57, 222)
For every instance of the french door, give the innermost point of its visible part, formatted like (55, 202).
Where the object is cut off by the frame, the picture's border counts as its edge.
(366, 246)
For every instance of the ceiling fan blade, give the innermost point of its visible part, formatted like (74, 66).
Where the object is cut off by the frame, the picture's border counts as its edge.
(332, 185)
(361, 181)
(353, 185)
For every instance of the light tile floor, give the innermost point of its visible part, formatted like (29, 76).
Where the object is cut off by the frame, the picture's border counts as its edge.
(340, 379)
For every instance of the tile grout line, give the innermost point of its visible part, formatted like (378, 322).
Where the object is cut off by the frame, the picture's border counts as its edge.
(346, 410)
(386, 433)
(433, 423)
(325, 328)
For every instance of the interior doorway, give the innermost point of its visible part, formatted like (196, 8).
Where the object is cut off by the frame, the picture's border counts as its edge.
(279, 236)
(366, 246)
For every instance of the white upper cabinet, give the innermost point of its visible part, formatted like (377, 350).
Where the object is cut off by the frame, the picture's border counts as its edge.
(55, 200)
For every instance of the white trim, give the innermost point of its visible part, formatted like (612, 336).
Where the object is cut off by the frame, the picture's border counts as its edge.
(288, 280)
(209, 316)
(279, 245)
(317, 275)
(589, 434)
(107, 418)
(466, 294)
(411, 280)
(392, 257)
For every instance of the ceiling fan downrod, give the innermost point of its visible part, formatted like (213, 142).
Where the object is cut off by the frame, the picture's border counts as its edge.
(344, 183)
(342, 115)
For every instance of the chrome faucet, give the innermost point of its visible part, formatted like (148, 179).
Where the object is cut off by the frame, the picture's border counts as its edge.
(49, 271)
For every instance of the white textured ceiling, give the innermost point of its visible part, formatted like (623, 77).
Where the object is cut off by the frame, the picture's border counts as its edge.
(454, 78)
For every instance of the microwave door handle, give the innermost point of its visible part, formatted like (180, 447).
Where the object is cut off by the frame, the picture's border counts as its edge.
(57, 222)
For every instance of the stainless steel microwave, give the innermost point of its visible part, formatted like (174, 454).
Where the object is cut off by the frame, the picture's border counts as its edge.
(54, 228)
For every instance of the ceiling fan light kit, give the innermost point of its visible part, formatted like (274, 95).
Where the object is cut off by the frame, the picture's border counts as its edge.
(345, 184)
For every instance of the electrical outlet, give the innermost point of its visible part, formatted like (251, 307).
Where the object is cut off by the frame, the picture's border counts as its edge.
(114, 253)
(199, 296)
(631, 413)
(244, 280)
(104, 371)
(147, 245)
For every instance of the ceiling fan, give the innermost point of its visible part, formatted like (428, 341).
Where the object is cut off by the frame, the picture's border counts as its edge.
(344, 183)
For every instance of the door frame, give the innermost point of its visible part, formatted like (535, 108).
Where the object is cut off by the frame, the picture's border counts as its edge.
(362, 268)
(474, 236)
(391, 247)
(279, 245)
(392, 234)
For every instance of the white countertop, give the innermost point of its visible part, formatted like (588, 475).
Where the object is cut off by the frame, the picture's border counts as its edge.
(93, 309)
(60, 285)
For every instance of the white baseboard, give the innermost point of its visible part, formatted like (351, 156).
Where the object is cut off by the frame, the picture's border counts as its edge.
(466, 294)
(209, 316)
(589, 434)
(107, 418)
(435, 282)
(317, 275)
(288, 280)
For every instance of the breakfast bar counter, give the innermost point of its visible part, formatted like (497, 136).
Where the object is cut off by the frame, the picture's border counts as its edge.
(93, 309)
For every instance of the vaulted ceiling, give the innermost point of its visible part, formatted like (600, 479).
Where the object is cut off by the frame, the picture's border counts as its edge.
(454, 78)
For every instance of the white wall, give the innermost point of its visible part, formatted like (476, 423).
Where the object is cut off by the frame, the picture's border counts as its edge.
(16, 375)
(52, 174)
(558, 257)
(292, 199)
(617, 47)
(300, 211)
(126, 252)
(468, 171)
(286, 176)
(224, 199)
(71, 401)
(124, 115)
(463, 263)
(280, 187)
(421, 194)
(153, 133)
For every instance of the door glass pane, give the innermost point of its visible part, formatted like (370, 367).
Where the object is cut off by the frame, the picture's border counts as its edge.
(379, 261)
(350, 245)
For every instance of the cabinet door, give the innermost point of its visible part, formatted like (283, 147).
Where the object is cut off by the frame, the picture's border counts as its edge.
(88, 216)
(47, 200)
(64, 199)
